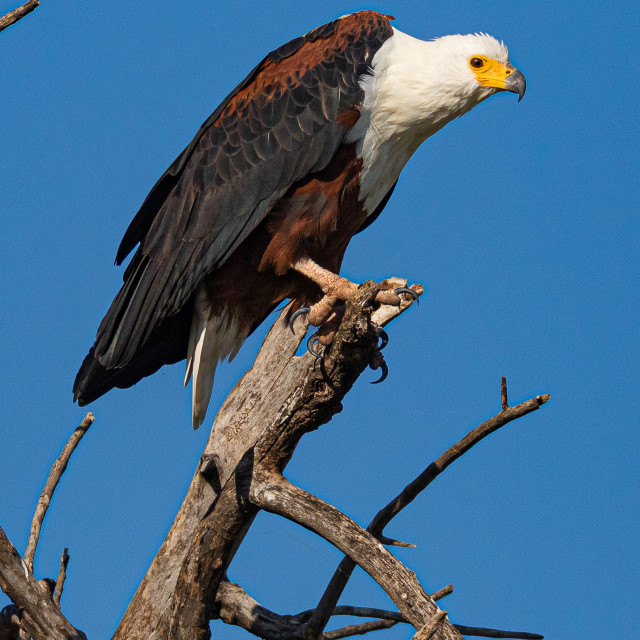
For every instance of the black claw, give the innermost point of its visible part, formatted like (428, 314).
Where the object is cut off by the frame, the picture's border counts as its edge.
(385, 373)
(300, 312)
(313, 339)
(384, 338)
(411, 292)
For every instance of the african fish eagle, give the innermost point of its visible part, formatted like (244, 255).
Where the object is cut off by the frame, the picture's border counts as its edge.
(260, 207)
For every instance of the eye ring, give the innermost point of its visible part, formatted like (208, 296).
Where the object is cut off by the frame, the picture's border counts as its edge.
(476, 63)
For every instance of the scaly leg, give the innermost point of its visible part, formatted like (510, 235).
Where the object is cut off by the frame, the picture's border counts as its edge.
(333, 285)
(327, 313)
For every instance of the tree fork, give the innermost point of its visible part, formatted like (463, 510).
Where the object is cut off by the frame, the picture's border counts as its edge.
(275, 403)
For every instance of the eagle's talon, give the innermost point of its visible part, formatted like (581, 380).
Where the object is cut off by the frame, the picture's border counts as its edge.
(411, 292)
(377, 361)
(313, 339)
(296, 314)
(385, 373)
(384, 338)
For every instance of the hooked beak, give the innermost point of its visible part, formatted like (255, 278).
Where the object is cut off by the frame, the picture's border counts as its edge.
(515, 83)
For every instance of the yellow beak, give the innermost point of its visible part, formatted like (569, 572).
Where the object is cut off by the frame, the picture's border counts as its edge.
(504, 77)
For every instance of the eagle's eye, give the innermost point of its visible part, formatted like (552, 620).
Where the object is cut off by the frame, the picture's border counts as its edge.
(476, 62)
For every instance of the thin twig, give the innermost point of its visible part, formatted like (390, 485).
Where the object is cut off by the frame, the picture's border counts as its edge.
(496, 633)
(442, 593)
(62, 576)
(17, 14)
(430, 628)
(396, 616)
(338, 582)
(57, 470)
(411, 491)
(504, 398)
(390, 542)
(358, 612)
(360, 629)
(369, 612)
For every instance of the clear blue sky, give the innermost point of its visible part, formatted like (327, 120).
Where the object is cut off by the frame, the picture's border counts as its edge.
(520, 219)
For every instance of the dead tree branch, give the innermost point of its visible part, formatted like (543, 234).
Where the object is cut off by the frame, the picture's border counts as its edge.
(272, 492)
(482, 632)
(254, 436)
(431, 626)
(338, 582)
(58, 468)
(41, 618)
(371, 612)
(360, 629)
(263, 418)
(17, 14)
(62, 576)
(235, 606)
(38, 607)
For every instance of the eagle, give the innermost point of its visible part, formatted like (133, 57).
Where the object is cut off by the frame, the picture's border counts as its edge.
(260, 206)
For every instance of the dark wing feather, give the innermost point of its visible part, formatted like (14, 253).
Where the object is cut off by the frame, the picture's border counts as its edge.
(277, 126)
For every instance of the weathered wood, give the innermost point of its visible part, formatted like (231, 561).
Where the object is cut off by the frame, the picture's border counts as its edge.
(17, 14)
(272, 492)
(62, 576)
(281, 398)
(41, 618)
(58, 468)
(360, 629)
(237, 607)
(431, 626)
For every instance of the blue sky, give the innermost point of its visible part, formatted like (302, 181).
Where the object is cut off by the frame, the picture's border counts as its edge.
(520, 220)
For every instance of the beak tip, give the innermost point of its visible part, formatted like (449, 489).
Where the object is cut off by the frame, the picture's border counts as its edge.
(517, 83)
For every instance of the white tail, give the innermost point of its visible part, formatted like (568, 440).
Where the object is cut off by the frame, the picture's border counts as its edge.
(211, 340)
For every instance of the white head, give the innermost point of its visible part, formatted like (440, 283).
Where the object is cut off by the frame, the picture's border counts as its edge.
(428, 83)
(415, 88)
(471, 67)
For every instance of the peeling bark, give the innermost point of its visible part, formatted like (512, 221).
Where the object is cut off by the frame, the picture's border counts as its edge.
(275, 403)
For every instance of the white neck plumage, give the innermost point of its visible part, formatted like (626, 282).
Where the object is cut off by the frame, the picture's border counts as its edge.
(416, 87)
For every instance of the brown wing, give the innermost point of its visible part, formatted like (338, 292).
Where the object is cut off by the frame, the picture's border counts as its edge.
(279, 125)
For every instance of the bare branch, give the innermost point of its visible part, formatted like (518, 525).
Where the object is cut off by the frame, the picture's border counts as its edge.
(360, 629)
(235, 606)
(442, 593)
(390, 542)
(62, 576)
(342, 574)
(411, 491)
(430, 627)
(504, 398)
(272, 492)
(41, 618)
(496, 633)
(59, 467)
(369, 612)
(17, 14)
(396, 616)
